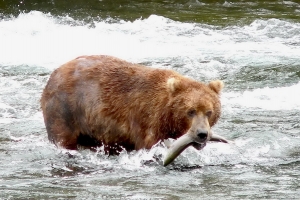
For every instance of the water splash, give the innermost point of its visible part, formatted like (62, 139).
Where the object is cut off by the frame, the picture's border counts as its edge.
(277, 98)
(39, 39)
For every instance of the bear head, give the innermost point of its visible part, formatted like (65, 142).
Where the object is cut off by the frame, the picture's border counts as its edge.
(195, 109)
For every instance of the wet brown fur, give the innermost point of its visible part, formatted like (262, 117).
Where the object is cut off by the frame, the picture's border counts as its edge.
(101, 100)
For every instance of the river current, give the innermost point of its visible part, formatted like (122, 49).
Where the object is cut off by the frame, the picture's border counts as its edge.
(256, 53)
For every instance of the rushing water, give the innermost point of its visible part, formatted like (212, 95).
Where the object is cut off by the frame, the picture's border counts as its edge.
(253, 46)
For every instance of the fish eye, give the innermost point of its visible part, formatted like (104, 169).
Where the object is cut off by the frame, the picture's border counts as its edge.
(192, 112)
(208, 113)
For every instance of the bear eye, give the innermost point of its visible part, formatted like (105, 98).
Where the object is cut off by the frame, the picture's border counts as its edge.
(208, 113)
(192, 112)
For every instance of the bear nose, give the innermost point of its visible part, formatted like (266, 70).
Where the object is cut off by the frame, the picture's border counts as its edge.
(202, 134)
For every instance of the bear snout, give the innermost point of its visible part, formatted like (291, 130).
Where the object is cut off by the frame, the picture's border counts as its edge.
(202, 134)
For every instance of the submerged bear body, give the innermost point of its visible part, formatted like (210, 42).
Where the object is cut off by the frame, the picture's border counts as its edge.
(101, 100)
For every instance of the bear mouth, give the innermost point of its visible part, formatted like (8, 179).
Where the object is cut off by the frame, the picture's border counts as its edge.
(198, 146)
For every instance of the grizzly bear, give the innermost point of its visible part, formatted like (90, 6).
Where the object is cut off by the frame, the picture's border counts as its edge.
(95, 101)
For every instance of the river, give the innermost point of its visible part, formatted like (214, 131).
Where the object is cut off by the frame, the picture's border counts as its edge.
(253, 46)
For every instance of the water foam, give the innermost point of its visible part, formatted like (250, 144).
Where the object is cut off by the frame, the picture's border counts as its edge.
(7, 112)
(38, 39)
(280, 98)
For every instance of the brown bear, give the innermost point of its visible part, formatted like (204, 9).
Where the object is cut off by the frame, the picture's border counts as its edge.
(101, 100)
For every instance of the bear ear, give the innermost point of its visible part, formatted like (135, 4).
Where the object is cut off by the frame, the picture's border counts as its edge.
(173, 85)
(216, 86)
